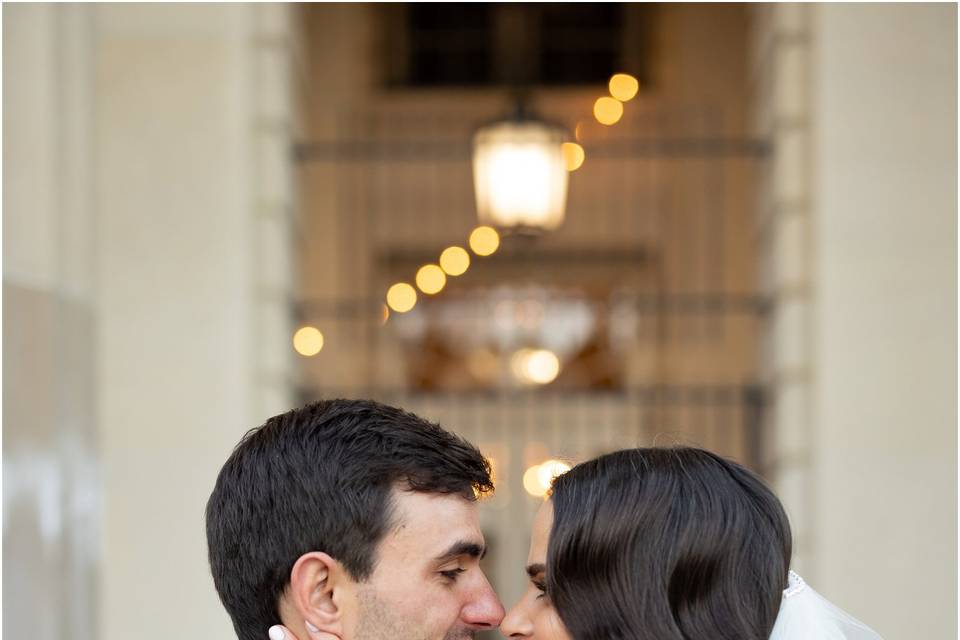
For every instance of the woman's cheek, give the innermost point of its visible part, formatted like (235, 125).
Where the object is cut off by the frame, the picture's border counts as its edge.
(550, 621)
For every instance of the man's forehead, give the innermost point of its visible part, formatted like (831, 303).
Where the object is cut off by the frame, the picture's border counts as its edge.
(433, 522)
(417, 504)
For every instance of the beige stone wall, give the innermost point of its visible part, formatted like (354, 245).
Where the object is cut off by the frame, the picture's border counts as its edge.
(52, 500)
(884, 340)
(148, 217)
(781, 114)
(857, 231)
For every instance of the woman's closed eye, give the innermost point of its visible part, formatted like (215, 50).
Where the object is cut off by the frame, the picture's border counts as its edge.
(541, 587)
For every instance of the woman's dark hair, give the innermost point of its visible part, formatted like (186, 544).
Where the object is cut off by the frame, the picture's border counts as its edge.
(666, 544)
(319, 478)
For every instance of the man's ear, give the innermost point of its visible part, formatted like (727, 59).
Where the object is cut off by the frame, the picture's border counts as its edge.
(317, 583)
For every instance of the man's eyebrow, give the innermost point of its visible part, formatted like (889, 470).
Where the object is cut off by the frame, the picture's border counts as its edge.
(463, 548)
(533, 570)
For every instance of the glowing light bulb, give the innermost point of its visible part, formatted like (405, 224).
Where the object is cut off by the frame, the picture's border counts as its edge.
(308, 341)
(454, 261)
(623, 86)
(431, 279)
(607, 110)
(401, 297)
(484, 241)
(573, 155)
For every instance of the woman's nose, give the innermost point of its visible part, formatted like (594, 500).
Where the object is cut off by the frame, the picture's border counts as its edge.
(517, 624)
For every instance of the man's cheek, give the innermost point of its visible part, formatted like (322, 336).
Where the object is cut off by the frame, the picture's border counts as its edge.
(441, 615)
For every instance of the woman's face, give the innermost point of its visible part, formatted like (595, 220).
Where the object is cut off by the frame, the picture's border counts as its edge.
(534, 616)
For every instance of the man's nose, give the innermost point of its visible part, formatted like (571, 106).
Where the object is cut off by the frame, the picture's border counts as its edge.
(484, 610)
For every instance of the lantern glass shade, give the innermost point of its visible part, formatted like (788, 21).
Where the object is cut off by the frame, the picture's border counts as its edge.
(519, 175)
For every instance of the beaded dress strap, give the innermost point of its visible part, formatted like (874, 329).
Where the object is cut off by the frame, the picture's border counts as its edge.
(795, 585)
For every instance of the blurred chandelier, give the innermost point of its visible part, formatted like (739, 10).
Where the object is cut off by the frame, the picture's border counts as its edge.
(519, 174)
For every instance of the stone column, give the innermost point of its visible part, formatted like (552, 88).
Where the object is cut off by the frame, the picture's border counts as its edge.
(859, 219)
(51, 462)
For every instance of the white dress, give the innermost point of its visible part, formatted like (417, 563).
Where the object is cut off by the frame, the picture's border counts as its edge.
(806, 615)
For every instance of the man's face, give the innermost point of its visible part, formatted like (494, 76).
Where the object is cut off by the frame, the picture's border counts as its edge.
(427, 583)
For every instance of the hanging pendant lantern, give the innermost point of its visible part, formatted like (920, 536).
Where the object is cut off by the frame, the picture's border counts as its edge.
(519, 174)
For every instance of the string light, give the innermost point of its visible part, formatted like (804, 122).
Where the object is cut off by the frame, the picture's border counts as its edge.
(623, 86)
(573, 155)
(431, 279)
(484, 241)
(401, 297)
(454, 261)
(607, 110)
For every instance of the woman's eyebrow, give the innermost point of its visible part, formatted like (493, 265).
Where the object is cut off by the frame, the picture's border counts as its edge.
(536, 569)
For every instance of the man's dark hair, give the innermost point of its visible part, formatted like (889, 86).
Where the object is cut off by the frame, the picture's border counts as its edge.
(666, 544)
(319, 478)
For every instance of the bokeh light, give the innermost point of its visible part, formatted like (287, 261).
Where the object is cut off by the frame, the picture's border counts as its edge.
(543, 366)
(518, 364)
(401, 297)
(573, 155)
(308, 341)
(531, 482)
(623, 86)
(550, 469)
(454, 261)
(484, 241)
(535, 366)
(538, 479)
(607, 110)
(431, 279)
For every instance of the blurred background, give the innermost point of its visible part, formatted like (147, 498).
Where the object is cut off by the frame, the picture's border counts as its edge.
(732, 226)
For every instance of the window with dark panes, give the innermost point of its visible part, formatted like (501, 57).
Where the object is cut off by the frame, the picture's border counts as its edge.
(449, 44)
(434, 45)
